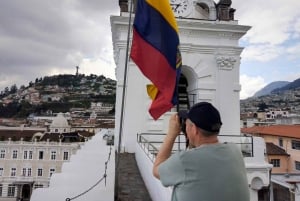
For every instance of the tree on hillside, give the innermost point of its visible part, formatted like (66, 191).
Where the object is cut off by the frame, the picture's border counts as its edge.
(262, 106)
(13, 89)
(6, 90)
(22, 87)
(10, 110)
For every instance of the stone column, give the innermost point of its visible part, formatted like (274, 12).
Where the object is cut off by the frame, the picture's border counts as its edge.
(253, 195)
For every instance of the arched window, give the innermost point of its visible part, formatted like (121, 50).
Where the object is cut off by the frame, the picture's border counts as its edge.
(183, 97)
(203, 9)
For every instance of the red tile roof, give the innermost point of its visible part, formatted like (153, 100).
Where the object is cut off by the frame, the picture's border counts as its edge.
(273, 149)
(16, 135)
(27, 135)
(292, 131)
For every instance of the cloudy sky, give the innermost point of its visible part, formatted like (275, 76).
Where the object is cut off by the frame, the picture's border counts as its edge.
(40, 38)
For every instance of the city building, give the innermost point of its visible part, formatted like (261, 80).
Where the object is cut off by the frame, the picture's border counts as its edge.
(88, 176)
(30, 155)
(103, 108)
(283, 152)
(280, 137)
(28, 165)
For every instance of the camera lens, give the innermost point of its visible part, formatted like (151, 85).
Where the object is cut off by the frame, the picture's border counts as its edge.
(182, 124)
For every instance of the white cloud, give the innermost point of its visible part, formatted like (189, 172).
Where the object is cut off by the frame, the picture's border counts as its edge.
(266, 31)
(45, 38)
(294, 51)
(18, 80)
(250, 85)
(98, 67)
(53, 37)
(262, 52)
(296, 29)
(292, 76)
(271, 20)
(57, 71)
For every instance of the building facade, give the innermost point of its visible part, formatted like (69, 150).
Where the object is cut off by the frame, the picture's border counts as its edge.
(284, 137)
(28, 165)
(283, 152)
(29, 156)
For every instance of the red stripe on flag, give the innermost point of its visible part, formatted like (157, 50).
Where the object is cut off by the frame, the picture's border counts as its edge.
(157, 69)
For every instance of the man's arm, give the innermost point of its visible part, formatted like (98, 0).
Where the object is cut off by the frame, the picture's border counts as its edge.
(166, 148)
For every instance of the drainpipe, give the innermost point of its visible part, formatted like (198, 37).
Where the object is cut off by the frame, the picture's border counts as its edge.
(271, 193)
(293, 191)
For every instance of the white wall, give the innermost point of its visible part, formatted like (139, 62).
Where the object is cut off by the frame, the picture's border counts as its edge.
(156, 190)
(83, 171)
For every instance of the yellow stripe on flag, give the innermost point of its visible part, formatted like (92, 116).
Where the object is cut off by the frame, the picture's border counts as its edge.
(164, 8)
(152, 91)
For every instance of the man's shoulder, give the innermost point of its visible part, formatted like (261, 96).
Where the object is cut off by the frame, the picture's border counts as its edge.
(204, 150)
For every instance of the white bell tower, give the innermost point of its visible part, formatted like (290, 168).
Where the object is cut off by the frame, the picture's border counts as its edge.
(209, 38)
(209, 44)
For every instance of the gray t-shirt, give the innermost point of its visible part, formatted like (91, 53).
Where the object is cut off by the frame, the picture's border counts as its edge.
(207, 173)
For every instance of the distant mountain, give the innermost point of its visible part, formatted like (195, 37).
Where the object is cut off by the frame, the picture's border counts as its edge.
(291, 86)
(270, 88)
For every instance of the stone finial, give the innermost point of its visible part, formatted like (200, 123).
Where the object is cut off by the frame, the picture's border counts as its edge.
(225, 12)
(231, 13)
(123, 5)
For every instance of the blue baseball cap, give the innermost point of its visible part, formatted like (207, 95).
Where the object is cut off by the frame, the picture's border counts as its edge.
(204, 115)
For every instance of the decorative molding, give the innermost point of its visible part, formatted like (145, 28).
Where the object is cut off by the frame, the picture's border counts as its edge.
(230, 35)
(214, 27)
(225, 62)
(196, 49)
(197, 34)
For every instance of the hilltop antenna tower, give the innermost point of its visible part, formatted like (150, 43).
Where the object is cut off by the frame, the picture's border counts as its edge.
(77, 67)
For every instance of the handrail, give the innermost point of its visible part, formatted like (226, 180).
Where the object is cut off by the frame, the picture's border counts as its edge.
(150, 143)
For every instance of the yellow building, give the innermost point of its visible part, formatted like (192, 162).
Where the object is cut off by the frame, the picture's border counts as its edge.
(283, 146)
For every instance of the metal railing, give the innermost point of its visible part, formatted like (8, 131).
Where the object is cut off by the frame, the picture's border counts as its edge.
(150, 143)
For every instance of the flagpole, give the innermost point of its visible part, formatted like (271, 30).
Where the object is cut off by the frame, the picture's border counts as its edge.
(177, 108)
(122, 104)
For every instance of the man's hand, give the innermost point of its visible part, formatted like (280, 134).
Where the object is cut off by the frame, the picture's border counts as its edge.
(166, 148)
(174, 126)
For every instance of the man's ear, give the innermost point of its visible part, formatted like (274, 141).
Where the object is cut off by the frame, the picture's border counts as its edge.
(194, 130)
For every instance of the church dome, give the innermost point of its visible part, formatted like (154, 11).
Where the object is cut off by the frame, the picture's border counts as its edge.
(59, 122)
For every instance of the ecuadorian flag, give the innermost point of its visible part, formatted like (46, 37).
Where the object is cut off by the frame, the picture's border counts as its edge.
(155, 50)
